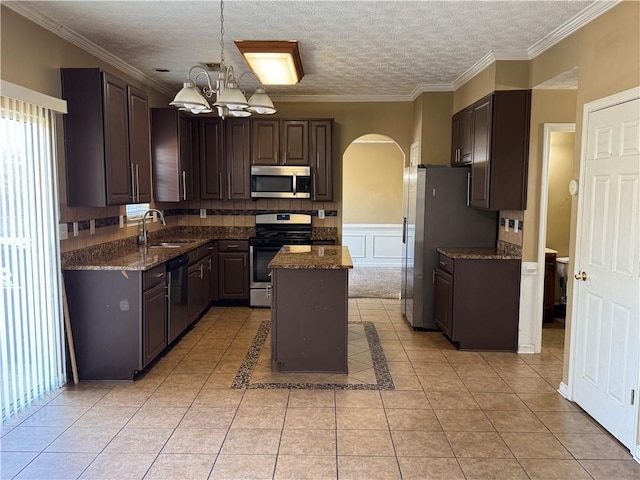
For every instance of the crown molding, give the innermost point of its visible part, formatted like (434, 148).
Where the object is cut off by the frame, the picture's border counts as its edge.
(30, 13)
(563, 31)
(474, 70)
(341, 98)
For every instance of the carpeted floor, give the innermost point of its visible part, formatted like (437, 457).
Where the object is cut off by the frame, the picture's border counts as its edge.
(374, 282)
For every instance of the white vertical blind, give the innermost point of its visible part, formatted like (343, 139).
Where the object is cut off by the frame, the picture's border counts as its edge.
(32, 355)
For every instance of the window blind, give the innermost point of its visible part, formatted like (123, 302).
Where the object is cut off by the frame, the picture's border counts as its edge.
(32, 353)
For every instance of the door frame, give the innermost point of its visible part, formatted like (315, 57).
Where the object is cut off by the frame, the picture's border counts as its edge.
(549, 128)
(569, 389)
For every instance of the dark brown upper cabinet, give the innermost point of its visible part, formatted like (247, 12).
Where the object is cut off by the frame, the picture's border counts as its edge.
(321, 147)
(107, 148)
(462, 137)
(211, 155)
(237, 185)
(279, 142)
(171, 145)
(499, 126)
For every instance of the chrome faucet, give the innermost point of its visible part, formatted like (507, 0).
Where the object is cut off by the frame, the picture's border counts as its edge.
(142, 238)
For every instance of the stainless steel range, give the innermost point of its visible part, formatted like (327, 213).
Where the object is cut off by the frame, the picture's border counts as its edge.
(273, 230)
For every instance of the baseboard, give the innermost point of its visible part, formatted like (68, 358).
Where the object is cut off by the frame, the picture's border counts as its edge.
(563, 390)
(527, 348)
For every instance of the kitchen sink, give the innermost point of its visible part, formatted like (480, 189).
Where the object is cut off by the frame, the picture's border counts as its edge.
(174, 244)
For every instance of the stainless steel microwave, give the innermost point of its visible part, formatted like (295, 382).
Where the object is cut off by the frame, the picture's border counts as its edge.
(280, 182)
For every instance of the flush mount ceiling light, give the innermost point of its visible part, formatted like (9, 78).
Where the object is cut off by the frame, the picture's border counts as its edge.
(275, 62)
(229, 99)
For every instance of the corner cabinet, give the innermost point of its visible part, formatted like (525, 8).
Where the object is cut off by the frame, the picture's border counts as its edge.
(107, 140)
(496, 130)
(172, 149)
(321, 152)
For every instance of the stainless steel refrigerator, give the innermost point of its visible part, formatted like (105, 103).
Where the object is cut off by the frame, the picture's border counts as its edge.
(436, 214)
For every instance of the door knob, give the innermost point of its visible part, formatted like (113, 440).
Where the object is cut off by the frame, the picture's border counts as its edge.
(581, 276)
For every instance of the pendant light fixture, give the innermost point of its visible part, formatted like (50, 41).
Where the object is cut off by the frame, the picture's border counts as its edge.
(229, 99)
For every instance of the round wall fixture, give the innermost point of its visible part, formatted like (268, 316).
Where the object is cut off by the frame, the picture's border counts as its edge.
(573, 187)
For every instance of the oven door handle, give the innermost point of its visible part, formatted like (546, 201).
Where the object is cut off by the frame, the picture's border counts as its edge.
(295, 186)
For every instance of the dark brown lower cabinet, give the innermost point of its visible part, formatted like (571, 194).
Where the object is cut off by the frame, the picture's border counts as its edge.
(200, 283)
(118, 320)
(477, 302)
(233, 270)
(154, 322)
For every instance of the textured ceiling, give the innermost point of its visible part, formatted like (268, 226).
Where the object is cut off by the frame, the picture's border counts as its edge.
(348, 48)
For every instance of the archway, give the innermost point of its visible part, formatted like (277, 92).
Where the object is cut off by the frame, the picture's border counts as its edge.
(372, 215)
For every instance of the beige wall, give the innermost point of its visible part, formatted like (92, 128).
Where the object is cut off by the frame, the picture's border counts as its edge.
(372, 183)
(547, 106)
(559, 199)
(482, 84)
(435, 126)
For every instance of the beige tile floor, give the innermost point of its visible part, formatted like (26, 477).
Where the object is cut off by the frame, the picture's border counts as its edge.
(453, 415)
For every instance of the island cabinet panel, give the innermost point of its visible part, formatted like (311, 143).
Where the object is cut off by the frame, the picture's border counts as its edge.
(321, 146)
(309, 320)
(107, 153)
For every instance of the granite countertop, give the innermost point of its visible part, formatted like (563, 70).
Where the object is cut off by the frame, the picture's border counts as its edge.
(142, 258)
(327, 257)
(476, 254)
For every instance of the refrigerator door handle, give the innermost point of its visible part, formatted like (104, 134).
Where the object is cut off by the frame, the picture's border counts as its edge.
(468, 189)
(404, 230)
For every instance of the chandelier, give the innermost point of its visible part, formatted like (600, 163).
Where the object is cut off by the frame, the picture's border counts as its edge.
(230, 101)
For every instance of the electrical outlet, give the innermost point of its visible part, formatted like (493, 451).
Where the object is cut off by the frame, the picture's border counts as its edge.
(155, 216)
(64, 231)
(121, 221)
(75, 229)
(516, 226)
(92, 227)
(506, 224)
(203, 213)
(320, 213)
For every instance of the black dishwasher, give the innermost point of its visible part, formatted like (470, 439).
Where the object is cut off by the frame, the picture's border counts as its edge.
(177, 270)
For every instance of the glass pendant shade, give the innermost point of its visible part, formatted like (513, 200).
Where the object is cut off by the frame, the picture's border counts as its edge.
(261, 103)
(231, 97)
(189, 97)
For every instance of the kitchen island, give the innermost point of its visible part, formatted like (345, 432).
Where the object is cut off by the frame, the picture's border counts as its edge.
(309, 308)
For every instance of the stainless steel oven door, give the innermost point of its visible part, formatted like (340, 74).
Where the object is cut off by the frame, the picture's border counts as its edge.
(260, 274)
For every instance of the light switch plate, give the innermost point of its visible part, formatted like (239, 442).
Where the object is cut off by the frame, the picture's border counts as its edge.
(155, 216)
(92, 226)
(516, 227)
(203, 213)
(320, 213)
(64, 231)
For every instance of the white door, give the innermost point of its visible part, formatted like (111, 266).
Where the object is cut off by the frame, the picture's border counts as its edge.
(607, 318)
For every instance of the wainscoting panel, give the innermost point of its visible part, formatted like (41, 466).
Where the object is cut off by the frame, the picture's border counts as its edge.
(529, 332)
(373, 245)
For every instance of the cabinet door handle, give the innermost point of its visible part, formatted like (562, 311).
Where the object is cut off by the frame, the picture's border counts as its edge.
(137, 183)
(133, 184)
(233, 246)
(184, 185)
(158, 275)
(220, 195)
(210, 265)
(285, 158)
(468, 189)
(317, 159)
(277, 157)
(201, 271)
(229, 185)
